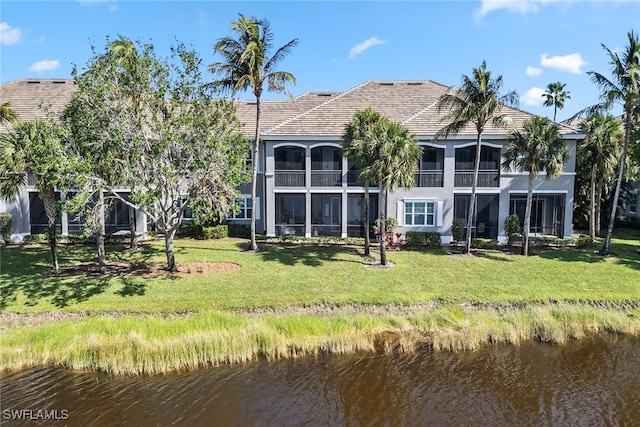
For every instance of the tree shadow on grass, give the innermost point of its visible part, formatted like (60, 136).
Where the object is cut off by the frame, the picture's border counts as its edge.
(309, 255)
(25, 272)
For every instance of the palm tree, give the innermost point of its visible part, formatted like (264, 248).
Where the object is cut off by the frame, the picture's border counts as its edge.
(124, 54)
(477, 101)
(7, 115)
(248, 66)
(358, 148)
(33, 148)
(555, 95)
(534, 149)
(622, 89)
(599, 149)
(394, 159)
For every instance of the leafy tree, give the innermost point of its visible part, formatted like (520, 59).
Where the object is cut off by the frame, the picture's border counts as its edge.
(357, 148)
(476, 101)
(555, 96)
(247, 65)
(534, 149)
(394, 161)
(599, 149)
(184, 150)
(34, 148)
(7, 114)
(623, 88)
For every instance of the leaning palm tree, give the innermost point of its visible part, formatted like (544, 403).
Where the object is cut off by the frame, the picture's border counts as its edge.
(555, 96)
(599, 149)
(622, 89)
(7, 114)
(33, 148)
(357, 148)
(477, 101)
(248, 66)
(394, 160)
(534, 149)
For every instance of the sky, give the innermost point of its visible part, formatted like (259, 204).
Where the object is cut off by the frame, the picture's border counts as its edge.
(530, 43)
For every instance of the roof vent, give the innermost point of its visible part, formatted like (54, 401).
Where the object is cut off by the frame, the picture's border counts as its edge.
(414, 83)
(386, 83)
(325, 94)
(33, 82)
(58, 82)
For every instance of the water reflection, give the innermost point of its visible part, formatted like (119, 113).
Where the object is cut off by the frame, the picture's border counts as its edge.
(594, 381)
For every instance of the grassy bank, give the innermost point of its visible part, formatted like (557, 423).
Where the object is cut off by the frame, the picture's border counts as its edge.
(134, 345)
(292, 300)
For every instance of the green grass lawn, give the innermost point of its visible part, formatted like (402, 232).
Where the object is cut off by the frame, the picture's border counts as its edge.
(126, 324)
(305, 275)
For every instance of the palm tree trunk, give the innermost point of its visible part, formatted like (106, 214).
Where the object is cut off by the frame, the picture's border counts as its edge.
(472, 202)
(612, 217)
(599, 205)
(383, 233)
(99, 231)
(527, 217)
(49, 200)
(592, 204)
(168, 245)
(367, 237)
(253, 245)
(133, 241)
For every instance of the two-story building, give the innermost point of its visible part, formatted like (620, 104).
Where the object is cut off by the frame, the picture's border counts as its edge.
(307, 188)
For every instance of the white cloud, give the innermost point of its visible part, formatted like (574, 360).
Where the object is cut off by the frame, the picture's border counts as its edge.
(533, 71)
(533, 96)
(367, 44)
(571, 63)
(522, 6)
(9, 35)
(113, 6)
(45, 65)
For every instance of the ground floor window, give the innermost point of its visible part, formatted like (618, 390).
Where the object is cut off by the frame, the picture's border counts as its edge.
(243, 207)
(420, 213)
(355, 214)
(485, 221)
(38, 215)
(290, 214)
(326, 214)
(547, 212)
(117, 214)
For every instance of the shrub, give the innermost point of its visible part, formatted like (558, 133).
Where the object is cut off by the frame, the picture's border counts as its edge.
(512, 228)
(457, 230)
(391, 224)
(191, 229)
(5, 226)
(484, 243)
(215, 232)
(239, 230)
(422, 238)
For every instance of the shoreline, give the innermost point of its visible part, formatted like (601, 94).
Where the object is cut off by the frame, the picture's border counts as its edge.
(149, 344)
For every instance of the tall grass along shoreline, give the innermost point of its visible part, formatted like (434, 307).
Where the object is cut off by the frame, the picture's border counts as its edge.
(133, 345)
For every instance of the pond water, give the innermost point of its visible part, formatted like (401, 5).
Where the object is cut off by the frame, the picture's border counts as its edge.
(589, 382)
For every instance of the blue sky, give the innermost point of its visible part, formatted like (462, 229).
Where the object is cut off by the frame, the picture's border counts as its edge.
(530, 43)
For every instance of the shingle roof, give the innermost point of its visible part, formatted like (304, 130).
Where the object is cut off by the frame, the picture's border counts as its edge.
(27, 96)
(412, 103)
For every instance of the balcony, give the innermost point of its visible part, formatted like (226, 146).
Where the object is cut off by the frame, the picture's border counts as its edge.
(289, 178)
(430, 179)
(326, 178)
(485, 179)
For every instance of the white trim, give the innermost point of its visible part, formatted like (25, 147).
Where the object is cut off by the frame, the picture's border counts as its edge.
(300, 138)
(325, 144)
(525, 192)
(296, 190)
(316, 190)
(541, 173)
(400, 212)
(290, 144)
(360, 190)
(439, 213)
(469, 144)
(431, 144)
(478, 193)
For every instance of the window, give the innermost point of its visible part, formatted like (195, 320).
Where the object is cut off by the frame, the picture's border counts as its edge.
(420, 213)
(243, 208)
